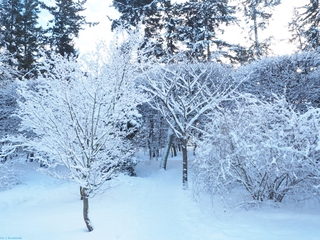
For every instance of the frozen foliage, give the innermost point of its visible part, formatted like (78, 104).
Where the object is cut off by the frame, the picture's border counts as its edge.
(305, 25)
(9, 123)
(9, 175)
(8, 105)
(7, 73)
(267, 148)
(7, 96)
(296, 77)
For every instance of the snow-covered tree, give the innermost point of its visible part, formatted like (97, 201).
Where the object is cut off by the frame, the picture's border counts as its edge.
(31, 43)
(157, 19)
(200, 25)
(76, 110)
(8, 97)
(11, 29)
(20, 33)
(65, 26)
(265, 148)
(183, 93)
(9, 123)
(257, 14)
(305, 26)
(8, 104)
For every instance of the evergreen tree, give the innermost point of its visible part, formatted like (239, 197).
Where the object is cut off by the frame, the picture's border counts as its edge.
(158, 19)
(31, 34)
(131, 12)
(20, 32)
(305, 26)
(258, 14)
(296, 31)
(201, 21)
(11, 32)
(192, 27)
(65, 25)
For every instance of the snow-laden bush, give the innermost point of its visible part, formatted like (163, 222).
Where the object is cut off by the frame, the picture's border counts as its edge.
(295, 77)
(266, 148)
(9, 175)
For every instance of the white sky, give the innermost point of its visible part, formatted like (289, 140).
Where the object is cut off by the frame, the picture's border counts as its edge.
(97, 10)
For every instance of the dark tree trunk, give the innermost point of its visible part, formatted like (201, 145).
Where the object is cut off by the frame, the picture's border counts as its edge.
(255, 28)
(164, 160)
(85, 199)
(174, 148)
(81, 197)
(184, 164)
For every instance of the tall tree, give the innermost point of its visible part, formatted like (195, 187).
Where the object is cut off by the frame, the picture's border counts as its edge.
(158, 19)
(65, 26)
(11, 32)
(31, 35)
(201, 24)
(193, 27)
(257, 14)
(131, 12)
(305, 27)
(20, 32)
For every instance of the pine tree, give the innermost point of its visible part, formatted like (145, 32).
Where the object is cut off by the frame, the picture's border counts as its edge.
(158, 19)
(172, 28)
(31, 35)
(11, 32)
(65, 25)
(296, 31)
(305, 26)
(201, 21)
(257, 14)
(20, 32)
(131, 12)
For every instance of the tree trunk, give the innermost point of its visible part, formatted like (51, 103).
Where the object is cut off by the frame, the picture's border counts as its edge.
(255, 29)
(81, 197)
(164, 160)
(85, 199)
(184, 164)
(174, 150)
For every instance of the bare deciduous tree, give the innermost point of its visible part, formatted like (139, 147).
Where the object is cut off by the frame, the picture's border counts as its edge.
(183, 93)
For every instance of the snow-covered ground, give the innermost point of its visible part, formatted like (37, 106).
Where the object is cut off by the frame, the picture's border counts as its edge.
(151, 206)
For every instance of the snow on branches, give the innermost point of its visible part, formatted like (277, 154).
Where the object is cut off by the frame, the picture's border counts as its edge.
(266, 147)
(183, 93)
(76, 109)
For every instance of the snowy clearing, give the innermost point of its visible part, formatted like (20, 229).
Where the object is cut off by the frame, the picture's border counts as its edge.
(151, 206)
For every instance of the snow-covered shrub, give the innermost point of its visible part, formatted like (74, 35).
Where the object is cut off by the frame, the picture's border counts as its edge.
(9, 175)
(8, 106)
(266, 148)
(296, 77)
